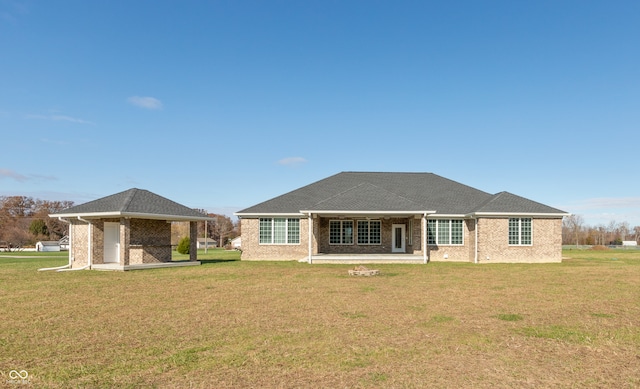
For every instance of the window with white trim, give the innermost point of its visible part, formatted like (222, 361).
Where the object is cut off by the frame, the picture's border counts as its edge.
(520, 231)
(369, 232)
(445, 232)
(279, 230)
(341, 232)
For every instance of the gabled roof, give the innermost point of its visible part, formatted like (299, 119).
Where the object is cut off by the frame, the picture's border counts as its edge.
(134, 203)
(49, 242)
(388, 192)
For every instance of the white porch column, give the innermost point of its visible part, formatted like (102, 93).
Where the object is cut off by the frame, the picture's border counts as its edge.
(424, 238)
(310, 228)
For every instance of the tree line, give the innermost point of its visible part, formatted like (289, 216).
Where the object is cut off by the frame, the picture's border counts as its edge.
(24, 221)
(576, 232)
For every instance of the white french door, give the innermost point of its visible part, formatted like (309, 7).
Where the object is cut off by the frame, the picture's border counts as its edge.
(398, 238)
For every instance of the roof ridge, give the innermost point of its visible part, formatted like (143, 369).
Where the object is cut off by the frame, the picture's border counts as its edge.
(488, 201)
(341, 193)
(129, 199)
(375, 186)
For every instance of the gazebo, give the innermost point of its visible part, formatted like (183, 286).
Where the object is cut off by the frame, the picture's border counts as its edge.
(126, 231)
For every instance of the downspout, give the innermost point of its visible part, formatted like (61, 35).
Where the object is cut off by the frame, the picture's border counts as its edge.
(475, 258)
(89, 257)
(70, 251)
(310, 228)
(424, 238)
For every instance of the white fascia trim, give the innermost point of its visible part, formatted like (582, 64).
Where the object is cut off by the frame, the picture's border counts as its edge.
(133, 215)
(449, 216)
(517, 214)
(324, 212)
(255, 215)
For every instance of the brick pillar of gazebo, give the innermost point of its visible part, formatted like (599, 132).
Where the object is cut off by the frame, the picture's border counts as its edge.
(193, 237)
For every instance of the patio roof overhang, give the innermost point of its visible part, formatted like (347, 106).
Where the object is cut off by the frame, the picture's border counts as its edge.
(367, 213)
(131, 215)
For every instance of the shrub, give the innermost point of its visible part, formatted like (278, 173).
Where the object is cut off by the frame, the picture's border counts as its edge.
(184, 245)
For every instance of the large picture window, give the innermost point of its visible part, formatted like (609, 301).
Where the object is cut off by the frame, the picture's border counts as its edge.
(369, 232)
(520, 231)
(445, 232)
(341, 232)
(279, 230)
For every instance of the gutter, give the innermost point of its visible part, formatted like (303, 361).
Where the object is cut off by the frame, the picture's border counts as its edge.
(310, 228)
(475, 257)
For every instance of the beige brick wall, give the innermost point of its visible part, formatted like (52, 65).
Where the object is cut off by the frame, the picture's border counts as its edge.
(493, 245)
(79, 243)
(456, 253)
(149, 241)
(252, 250)
(493, 238)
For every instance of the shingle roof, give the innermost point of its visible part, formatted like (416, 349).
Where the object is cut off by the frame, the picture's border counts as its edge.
(505, 202)
(389, 192)
(134, 202)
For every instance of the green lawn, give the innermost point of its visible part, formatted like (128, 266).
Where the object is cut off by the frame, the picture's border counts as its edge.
(230, 323)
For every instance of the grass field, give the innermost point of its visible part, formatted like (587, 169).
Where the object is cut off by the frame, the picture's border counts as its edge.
(229, 323)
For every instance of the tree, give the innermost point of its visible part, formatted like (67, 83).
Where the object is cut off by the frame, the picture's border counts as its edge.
(573, 225)
(184, 246)
(39, 228)
(220, 229)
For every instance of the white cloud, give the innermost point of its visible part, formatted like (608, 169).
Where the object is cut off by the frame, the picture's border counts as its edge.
(54, 141)
(292, 161)
(60, 118)
(7, 173)
(607, 202)
(603, 210)
(145, 102)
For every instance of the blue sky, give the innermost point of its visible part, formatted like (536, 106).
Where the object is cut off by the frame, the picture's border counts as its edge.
(223, 104)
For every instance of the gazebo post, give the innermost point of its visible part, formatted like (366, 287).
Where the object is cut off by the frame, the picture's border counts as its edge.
(193, 237)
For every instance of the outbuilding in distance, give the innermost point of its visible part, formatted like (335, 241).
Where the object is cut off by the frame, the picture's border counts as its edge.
(48, 245)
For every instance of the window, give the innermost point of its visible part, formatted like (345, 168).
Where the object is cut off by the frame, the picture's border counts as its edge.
(369, 231)
(444, 232)
(520, 231)
(279, 230)
(341, 232)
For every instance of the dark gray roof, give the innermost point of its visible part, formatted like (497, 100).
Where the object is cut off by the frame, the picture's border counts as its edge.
(505, 202)
(134, 202)
(390, 192)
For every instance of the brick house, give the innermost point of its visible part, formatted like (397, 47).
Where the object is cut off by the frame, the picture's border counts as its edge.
(365, 217)
(125, 231)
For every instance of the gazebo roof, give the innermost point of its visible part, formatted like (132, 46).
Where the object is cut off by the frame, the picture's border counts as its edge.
(133, 203)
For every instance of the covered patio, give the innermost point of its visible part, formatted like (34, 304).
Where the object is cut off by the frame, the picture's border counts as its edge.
(389, 236)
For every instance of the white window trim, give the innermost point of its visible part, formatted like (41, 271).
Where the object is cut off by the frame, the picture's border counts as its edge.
(353, 238)
(520, 244)
(286, 232)
(368, 232)
(437, 233)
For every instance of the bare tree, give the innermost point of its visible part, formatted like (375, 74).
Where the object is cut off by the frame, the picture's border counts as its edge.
(623, 230)
(573, 225)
